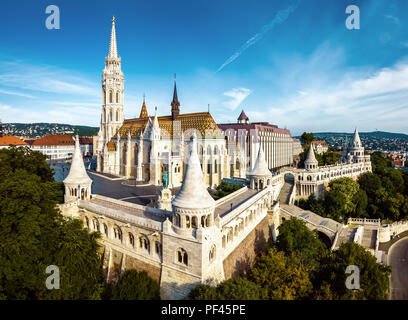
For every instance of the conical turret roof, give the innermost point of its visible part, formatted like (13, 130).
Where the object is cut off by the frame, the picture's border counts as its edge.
(260, 167)
(77, 173)
(193, 193)
(243, 116)
(113, 50)
(356, 139)
(311, 158)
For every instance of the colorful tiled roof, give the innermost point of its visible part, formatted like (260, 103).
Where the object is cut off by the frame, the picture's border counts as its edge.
(54, 140)
(200, 121)
(11, 140)
(111, 146)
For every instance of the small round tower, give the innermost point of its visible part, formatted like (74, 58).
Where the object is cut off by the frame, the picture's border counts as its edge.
(77, 183)
(260, 176)
(193, 207)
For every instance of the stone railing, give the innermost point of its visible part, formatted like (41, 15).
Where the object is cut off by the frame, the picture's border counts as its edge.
(307, 221)
(229, 196)
(125, 204)
(241, 208)
(120, 215)
(389, 230)
(373, 222)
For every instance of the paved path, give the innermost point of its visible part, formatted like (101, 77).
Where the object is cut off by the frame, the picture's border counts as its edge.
(224, 208)
(116, 190)
(398, 260)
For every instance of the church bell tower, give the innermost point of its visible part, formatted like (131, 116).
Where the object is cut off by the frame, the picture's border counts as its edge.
(112, 91)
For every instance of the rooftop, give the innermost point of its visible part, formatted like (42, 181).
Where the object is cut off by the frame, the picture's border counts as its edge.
(11, 140)
(54, 140)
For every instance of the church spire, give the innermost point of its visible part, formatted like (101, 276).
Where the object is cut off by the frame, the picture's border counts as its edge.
(113, 50)
(143, 112)
(175, 104)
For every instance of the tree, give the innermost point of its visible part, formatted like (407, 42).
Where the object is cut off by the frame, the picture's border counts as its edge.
(374, 277)
(339, 200)
(203, 292)
(34, 235)
(136, 285)
(281, 277)
(295, 238)
(307, 138)
(330, 158)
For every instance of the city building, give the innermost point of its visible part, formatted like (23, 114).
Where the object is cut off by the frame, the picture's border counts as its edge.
(315, 180)
(320, 146)
(55, 146)
(86, 145)
(277, 143)
(6, 141)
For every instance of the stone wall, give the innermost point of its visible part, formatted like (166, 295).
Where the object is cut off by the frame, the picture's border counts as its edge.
(152, 271)
(243, 257)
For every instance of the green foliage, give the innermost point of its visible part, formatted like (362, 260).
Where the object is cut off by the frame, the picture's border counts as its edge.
(281, 277)
(295, 238)
(307, 138)
(380, 162)
(136, 285)
(331, 277)
(34, 235)
(224, 189)
(339, 200)
(327, 158)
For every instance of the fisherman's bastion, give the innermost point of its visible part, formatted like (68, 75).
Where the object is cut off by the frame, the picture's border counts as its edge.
(184, 237)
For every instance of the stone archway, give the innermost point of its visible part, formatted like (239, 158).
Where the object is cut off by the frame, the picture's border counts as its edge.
(325, 239)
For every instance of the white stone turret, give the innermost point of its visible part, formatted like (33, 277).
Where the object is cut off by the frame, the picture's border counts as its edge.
(311, 161)
(77, 183)
(193, 207)
(354, 151)
(260, 176)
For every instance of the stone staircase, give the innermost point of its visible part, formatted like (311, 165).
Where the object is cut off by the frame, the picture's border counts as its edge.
(369, 238)
(285, 192)
(346, 235)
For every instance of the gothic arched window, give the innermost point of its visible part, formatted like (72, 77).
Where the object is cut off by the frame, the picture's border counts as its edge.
(117, 97)
(131, 240)
(182, 256)
(110, 96)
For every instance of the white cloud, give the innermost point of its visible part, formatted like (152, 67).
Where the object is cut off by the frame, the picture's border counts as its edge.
(16, 93)
(376, 100)
(49, 79)
(238, 95)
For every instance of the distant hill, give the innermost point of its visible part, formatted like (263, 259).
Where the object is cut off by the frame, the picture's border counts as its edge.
(38, 129)
(374, 134)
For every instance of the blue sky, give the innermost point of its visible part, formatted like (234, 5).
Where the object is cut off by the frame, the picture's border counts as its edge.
(290, 62)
